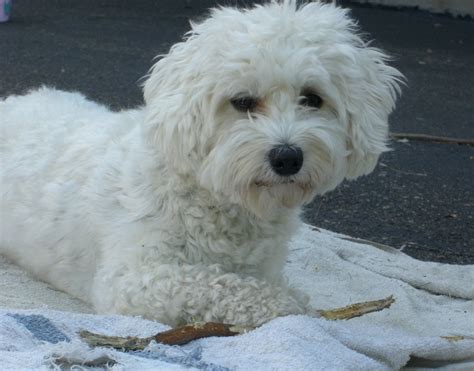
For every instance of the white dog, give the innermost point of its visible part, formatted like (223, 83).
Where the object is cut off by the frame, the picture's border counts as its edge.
(183, 209)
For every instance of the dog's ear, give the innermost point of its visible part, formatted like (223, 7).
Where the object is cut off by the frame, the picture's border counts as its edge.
(368, 86)
(174, 99)
(372, 88)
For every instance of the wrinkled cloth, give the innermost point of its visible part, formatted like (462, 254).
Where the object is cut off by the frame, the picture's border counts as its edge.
(430, 325)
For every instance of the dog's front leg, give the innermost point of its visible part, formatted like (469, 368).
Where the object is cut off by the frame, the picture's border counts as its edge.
(177, 294)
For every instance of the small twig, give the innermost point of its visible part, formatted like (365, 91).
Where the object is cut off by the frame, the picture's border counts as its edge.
(188, 333)
(432, 138)
(358, 309)
(404, 172)
(453, 338)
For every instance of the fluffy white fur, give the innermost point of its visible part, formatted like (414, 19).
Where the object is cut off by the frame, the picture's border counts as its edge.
(172, 211)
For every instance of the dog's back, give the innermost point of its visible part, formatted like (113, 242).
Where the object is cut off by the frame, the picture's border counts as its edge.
(50, 145)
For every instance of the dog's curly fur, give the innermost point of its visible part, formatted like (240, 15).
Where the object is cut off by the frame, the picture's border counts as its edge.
(173, 211)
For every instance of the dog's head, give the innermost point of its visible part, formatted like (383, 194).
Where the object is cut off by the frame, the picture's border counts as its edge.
(269, 106)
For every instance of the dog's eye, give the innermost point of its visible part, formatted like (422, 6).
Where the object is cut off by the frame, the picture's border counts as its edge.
(311, 100)
(244, 104)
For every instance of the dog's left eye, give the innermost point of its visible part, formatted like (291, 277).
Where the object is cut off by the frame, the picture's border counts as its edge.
(311, 100)
(244, 104)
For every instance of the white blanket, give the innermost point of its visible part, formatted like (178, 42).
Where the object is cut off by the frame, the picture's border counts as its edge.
(431, 324)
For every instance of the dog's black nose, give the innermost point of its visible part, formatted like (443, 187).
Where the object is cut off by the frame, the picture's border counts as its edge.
(286, 160)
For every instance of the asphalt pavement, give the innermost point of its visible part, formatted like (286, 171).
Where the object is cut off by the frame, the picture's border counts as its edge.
(419, 199)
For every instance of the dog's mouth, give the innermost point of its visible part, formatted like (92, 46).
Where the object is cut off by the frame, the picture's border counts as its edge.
(267, 183)
(283, 182)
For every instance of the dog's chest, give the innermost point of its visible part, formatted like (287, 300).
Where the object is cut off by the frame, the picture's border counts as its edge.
(229, 237)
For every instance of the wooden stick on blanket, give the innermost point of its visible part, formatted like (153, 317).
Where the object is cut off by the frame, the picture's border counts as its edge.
(177, 336)
(185, 334)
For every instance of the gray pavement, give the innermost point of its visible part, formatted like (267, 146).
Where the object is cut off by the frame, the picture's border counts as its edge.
(419, 198)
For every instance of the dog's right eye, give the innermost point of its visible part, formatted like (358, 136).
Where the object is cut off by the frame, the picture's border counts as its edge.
(311, 100)
(244, 104)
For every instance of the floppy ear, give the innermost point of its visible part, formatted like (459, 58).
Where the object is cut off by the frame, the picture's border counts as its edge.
(372, 90)
(174, 97)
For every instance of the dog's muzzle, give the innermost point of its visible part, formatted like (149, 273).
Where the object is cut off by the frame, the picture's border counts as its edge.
(286, 160)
